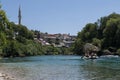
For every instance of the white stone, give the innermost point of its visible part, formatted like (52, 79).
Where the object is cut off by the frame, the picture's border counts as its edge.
(1, 78)
(1, 75)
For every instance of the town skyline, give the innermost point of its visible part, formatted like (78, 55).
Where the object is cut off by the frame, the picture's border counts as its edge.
(65, 16)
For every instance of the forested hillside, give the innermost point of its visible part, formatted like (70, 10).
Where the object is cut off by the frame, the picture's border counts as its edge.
(104, 33)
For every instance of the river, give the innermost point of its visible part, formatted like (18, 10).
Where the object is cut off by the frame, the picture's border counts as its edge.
(62, 68)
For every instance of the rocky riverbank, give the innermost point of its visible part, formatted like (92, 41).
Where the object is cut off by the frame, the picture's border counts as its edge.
(4, 76)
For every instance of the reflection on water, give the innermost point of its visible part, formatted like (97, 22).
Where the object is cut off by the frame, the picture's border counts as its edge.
(62, 68)
(100, 70)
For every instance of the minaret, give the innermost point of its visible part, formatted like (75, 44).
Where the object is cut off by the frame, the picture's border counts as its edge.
(19, 16)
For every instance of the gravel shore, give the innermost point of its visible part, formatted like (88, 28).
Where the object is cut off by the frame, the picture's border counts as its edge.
(4, 76)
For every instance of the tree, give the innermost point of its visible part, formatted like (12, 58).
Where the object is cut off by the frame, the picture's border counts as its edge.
(88, 32)
(96, 42)
(78, 47)
(110, 32)
(2, 39)
(117, 37)
(3, 20)
(105, 33)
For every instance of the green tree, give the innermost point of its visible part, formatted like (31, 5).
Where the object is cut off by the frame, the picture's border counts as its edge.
(2, 39)
(3, 20)
(78, 47)
(96, 42)
(117, 37)
(104, 33)
(88, 32)
(110, 32)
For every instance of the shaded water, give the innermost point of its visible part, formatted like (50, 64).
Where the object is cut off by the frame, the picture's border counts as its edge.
(62, 68)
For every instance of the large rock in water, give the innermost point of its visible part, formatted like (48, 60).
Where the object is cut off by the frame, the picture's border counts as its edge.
(90, 50)
(88, 47)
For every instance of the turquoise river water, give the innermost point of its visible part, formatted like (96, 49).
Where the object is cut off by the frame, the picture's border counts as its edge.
(62, 68)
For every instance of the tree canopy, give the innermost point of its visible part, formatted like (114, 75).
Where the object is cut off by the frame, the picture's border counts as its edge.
(104, 33)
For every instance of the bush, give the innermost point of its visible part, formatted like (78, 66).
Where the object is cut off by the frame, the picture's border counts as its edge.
(14, 49)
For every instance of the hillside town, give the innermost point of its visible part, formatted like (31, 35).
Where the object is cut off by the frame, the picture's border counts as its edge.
(57, 40)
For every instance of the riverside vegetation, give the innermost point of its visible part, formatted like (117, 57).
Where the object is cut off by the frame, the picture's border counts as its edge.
(104, 34)
(18, 40)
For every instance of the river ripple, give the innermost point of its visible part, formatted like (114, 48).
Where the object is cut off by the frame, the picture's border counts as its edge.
(62, 68)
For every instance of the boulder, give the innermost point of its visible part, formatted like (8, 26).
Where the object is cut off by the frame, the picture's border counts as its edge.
(107, 52)
(90, 51)
(88, 47)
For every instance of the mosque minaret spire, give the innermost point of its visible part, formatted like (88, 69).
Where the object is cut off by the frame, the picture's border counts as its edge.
(19, 16)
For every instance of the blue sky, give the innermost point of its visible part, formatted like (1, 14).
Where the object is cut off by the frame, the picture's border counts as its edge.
(59, 16)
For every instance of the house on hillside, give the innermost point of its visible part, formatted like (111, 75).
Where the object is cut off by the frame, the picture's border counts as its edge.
(57, 40)
(68, 43)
